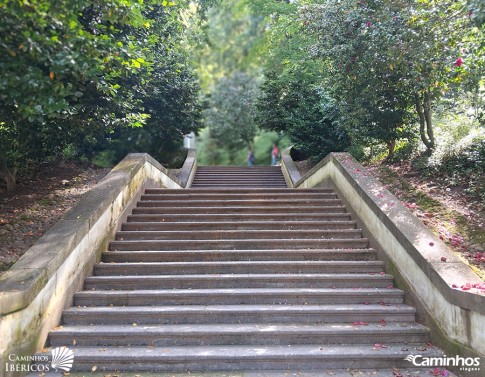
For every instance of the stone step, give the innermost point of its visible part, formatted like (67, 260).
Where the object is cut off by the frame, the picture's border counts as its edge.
(183, 195)
(244, 357)
(345, 372)
(186, 235)
(239, 244)
(221, 168)
(261, 176)
(239, 203)
(239, 267)
(237, 334)
(240, 209)
(264, 314)
(238, 217)
(237, 185)
(239, 191)
(209, 281)
(241, 296)
(233, 225)
(239, 255)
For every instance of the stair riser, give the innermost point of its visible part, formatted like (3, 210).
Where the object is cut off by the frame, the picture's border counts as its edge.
(235, 210)
(190, 226)
(132, 283)
(261, 244)
(118, 270)
(305, 235)
(232, 203)
(263, 255)
(145, 299)
(147, 318)
(255, 338)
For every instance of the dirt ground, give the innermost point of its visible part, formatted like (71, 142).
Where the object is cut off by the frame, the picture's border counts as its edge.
(455, 216)
(38, 203)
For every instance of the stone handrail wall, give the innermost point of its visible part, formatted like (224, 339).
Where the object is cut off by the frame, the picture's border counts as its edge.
(420, 261)
(35, 290)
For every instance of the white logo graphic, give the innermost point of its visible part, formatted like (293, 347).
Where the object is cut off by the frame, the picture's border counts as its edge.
(464, 363)
(62, 358)
(411, 358)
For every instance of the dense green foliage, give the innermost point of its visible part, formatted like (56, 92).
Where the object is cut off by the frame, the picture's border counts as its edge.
(75, 74)
(104, 78)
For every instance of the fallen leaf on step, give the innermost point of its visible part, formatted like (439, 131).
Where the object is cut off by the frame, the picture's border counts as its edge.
(93, 369)
(74, 342)
(377, 346)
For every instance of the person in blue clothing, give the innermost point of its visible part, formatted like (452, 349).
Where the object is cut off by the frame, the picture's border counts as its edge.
(250, 158)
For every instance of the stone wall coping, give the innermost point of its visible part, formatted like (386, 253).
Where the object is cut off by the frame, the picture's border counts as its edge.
(188, 169)
(426, 249)
(289, 165)
(26, 278)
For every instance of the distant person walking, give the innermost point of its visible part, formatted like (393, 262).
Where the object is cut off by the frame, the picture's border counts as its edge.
(275, 153)
(250, 157)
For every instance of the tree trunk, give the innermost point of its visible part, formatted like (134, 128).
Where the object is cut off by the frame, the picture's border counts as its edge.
(391, 146)
(7, 175)
(429, 120)
(420, 109)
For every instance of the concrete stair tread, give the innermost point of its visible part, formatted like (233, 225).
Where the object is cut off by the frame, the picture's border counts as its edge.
(238, 191)
(252, 328)
(302, 276)
(238, 243)
(239, 225)
(203, 314)
(235, 255)
(215, 202)
(275, 196)
(300, 292)
(236, 217)
(376, 309)
(249, 263)
(238, 234)
(240, 352)
(283, 207)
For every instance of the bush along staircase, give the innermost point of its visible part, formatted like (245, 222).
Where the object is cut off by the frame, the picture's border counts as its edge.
(217, 278)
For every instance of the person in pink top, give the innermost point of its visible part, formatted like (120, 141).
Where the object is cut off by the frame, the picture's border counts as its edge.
(274, 155)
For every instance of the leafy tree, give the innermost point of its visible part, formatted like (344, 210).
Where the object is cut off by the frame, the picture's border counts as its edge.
(73, 73)
(293, 104)
(230, 112)
(412, 47)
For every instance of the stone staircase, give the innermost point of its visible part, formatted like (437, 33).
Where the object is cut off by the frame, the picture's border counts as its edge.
(239, 279)
(239, 177)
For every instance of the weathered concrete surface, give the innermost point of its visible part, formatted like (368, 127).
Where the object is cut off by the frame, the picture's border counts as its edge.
(188, 169)
(41, 284)
(288, 167)
(414, 251)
